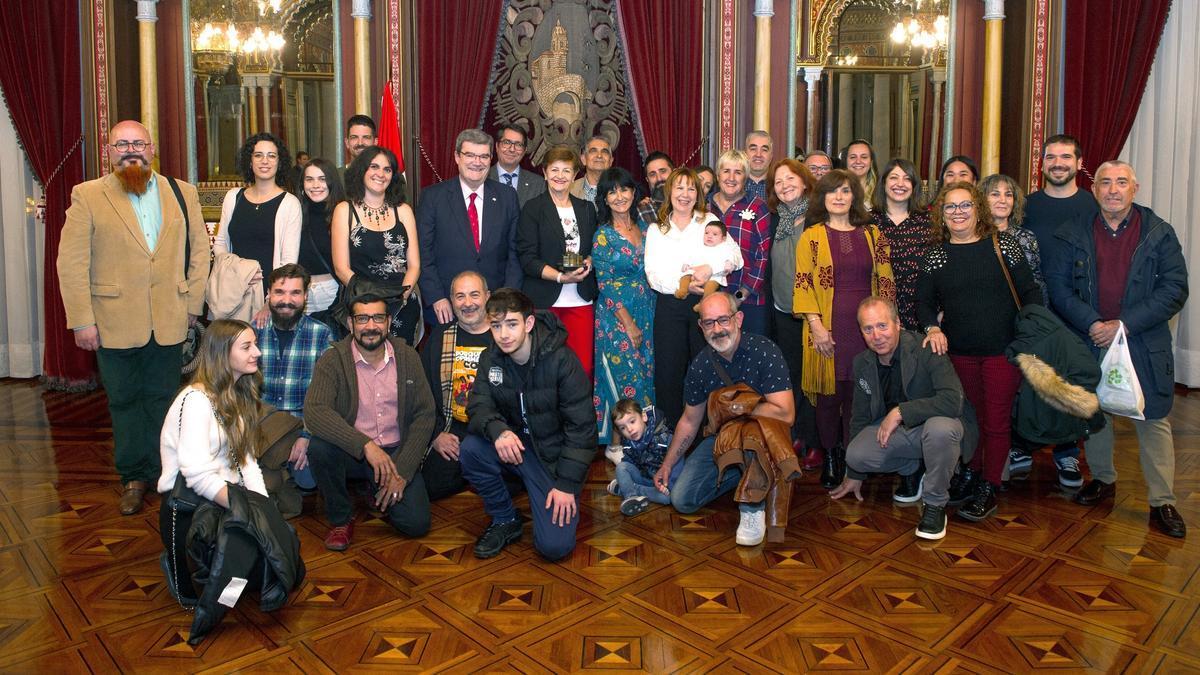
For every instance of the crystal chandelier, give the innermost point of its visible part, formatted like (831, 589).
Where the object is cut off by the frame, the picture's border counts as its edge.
(924, 29)
(221, 35)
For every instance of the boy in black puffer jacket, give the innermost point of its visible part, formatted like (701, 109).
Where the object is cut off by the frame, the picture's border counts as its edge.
(530, 413)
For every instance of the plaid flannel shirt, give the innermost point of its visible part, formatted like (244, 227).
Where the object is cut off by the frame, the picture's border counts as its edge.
(753, 236)
(286, 375)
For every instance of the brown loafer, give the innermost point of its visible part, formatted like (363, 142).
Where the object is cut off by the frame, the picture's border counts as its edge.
(133, 498)
(1096, 491)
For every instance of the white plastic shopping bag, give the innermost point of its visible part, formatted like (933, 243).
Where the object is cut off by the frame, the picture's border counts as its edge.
(1119, 391)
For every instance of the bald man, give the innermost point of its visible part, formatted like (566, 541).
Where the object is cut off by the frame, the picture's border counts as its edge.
(130, 294)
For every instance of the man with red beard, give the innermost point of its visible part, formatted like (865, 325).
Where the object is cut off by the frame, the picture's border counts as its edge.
(130, 292)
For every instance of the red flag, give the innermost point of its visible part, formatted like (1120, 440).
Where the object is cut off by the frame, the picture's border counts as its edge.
(389, 126)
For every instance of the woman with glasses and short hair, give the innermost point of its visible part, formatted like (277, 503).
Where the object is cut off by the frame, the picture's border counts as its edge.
(967, 309)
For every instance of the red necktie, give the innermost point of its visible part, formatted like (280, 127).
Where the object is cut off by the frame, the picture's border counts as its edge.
(473, 216)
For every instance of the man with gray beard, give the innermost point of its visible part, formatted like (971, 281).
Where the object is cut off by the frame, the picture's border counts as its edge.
(132, 265)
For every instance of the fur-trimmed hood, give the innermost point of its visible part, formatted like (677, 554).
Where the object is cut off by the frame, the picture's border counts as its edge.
(1056, 391)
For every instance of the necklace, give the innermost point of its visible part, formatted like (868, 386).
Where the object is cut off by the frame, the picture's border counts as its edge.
(374, 215)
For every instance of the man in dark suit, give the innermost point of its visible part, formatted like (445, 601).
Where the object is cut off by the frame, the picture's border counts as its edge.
(466, 223)
(511, 142)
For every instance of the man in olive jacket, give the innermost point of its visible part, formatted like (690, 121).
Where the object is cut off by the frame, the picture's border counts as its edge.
(908, 408)
(371, 415)
(530, 414)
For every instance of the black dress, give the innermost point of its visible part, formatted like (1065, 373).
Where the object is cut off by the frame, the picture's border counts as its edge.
(252, 232)
(383, 256)
(316, 255)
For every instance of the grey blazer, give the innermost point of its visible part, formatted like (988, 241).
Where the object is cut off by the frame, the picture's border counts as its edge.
(529, 184)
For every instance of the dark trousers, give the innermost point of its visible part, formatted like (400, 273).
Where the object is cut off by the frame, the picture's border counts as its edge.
(140, 383)
(332, 466)
(789, 335)
(756, 319)
(833, 415)
(482, 467)
(677, 340)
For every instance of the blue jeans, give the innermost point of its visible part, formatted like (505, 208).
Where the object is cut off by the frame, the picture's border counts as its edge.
(756, 319)
(303, 477)
(697, 482)
(631, 482)
(481, 466)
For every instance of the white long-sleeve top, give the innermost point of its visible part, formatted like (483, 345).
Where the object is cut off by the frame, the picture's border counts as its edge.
(195, 446)
(288, 219)
(666, 254)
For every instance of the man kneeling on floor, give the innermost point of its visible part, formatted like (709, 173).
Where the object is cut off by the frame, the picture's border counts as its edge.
(371, 415)
(909, 411)
(530, 414)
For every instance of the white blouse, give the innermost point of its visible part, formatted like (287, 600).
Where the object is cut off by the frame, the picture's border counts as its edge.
(666, 254)
(196, 447)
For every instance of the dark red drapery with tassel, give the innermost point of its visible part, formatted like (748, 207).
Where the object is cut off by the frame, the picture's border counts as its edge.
(456, 39)
(40, 75)
(662, 40)
(1110, 46)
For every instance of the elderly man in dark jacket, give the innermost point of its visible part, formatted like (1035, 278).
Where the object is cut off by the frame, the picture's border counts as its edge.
(908, 408)
(530, 414)
(1125, 266)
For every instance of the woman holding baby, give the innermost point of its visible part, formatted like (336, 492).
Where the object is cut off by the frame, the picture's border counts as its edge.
(673, 244)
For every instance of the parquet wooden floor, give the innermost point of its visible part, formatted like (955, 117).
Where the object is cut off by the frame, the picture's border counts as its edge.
(1045, 584)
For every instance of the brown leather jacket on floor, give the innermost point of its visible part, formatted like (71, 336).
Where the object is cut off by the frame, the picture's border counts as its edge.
(760, 446)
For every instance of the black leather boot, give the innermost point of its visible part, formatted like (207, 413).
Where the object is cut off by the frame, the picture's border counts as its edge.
(962, 485)
(982, 504)
(833, 469)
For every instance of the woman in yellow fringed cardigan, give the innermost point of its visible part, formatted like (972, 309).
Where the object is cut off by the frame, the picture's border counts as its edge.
(841, 259)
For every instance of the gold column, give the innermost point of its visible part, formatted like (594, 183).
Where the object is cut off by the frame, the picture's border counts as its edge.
(993, 69)
(147, 16)
(763, 11)
(252, 100)
(361, 12)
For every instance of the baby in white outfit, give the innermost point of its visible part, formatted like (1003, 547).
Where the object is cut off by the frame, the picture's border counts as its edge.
(720, 253)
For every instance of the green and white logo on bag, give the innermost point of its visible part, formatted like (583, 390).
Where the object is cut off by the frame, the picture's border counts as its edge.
(1115, 377)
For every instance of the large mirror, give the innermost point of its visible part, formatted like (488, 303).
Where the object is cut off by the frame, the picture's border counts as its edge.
(262, 65)
(886, 67)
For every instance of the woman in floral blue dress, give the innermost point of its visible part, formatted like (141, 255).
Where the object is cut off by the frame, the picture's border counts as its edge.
(625, 306)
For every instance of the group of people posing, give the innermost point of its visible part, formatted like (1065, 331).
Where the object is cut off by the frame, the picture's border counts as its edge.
(818, 317)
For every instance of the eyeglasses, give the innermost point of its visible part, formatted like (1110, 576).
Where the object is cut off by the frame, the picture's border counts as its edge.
(124, 146)
(473, 156)
(722, 321)
(962, 206)
(364, 319)
(265, 155)
(510, 144)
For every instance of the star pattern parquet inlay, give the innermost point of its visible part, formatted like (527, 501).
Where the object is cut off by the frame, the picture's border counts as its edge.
(1045, 585)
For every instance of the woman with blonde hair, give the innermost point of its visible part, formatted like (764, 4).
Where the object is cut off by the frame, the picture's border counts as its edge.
(209, 441)
(841, 259)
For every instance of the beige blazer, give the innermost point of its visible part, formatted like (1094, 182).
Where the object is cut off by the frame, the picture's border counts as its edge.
(110, 278)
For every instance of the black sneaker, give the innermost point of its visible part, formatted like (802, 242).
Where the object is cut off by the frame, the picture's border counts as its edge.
(962, 485)
(933, 522)
(982, 504)
(1020, 463)
(496, 537)
(1069, 474)
(634, 505)
(909, 489)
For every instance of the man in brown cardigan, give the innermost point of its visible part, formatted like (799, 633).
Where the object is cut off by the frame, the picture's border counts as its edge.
(371, 415)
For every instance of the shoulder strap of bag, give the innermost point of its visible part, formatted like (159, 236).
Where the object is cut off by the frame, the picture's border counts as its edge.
(187, 229)
(1004, 268)
(721, 372)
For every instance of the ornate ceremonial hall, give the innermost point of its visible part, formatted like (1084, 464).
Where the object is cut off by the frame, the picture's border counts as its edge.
(1044, 583)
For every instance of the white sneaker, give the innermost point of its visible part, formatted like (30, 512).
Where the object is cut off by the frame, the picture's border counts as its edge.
(752, 529)
(615, 453)
(612, 487)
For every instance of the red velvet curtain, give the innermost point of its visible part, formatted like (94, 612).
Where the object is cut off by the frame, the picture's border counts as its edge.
(40, 75)
(456, 40)
(1110, 46)
(662, 40)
